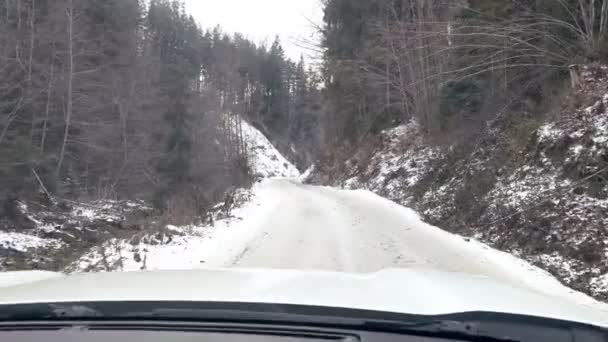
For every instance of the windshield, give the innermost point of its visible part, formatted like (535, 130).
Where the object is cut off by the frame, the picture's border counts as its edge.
(423, 157)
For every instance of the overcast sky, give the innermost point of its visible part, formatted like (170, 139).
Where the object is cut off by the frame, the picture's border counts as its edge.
(262, 20)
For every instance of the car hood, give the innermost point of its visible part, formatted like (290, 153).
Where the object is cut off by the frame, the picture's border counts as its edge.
(408, 291)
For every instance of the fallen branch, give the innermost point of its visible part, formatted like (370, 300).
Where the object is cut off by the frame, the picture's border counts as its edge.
(44, 189)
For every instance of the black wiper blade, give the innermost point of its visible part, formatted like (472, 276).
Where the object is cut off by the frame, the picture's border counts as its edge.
(472, 331)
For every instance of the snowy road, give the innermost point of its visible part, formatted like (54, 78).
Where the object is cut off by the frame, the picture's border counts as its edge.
(296, 226)
(290, 225)
(354, 231)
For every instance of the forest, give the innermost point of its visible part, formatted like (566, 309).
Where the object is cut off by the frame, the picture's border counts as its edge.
(133, 99)
(451, 65)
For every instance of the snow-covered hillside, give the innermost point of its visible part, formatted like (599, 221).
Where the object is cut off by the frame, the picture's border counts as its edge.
(399, 162)
(186, 247)
(267, 161)
(195, 245)
(41, 237)
(537, 189)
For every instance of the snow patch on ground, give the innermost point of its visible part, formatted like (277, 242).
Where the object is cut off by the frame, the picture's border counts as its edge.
(398, 173)
(523, 187)
(447, 195)
(106, 210)
(188, 247)
(23, 242)
(267, 161)
(307, 174)
(600, 284)
(549, 132)
(103, 210)
(556, 208)
(569, 269)
(40, 231)
(400, 165)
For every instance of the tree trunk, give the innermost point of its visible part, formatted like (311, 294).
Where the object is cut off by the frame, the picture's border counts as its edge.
(575, 76)
(604, 19)
(47, 109)
(70, 85)
(29, 64)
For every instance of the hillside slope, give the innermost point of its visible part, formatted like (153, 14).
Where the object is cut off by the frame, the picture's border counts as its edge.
(267, 161)
(50, 236)
(537, 189)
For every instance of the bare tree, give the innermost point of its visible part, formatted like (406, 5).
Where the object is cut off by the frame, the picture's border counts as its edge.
(47, 106)
(70, 17)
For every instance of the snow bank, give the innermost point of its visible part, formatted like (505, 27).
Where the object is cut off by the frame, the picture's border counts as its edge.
(600, 284)
(40, 230)
(401, 163)
(267, 161)
(8, 279)
(305, 176)
(23, 242)
(107, 210)
(182, 248)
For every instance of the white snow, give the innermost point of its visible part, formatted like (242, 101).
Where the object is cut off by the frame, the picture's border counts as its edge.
(8, 279)
(411, 167)
(577, 150)
(189, 247)
(447, 195)
(600, 284)
(408, 130)
(567, 267)
(548, 132)
(54, 229)
(91, 214)
(295, 226)
(267, 161)
(524, 186)
(601, 130)
(307, 173)
(25, 210)
(106, 210)
(22, 242)
(400, 165)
